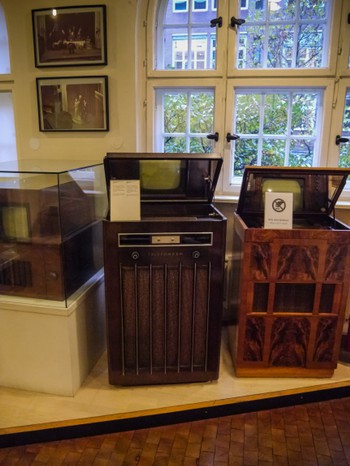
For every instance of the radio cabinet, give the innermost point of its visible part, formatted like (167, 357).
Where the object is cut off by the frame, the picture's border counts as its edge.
(292, 285)
(164, 273)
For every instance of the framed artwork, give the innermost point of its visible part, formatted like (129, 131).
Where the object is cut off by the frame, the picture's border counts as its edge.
(73, 103)
(70, 36)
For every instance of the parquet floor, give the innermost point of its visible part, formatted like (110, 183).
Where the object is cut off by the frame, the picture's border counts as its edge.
(301, 435)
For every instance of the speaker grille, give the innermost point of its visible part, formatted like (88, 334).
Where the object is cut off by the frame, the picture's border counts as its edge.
(164, 318)
(16, 273)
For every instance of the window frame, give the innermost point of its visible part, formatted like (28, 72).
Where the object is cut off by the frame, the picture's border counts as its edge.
(233, 188)
(331, 58)
(153, 115)
(224, 75)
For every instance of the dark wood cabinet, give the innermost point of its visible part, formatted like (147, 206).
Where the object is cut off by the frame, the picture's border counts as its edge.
(164, 275)
(293, 283)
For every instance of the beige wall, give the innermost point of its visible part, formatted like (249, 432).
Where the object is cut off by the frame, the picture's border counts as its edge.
(31, 143)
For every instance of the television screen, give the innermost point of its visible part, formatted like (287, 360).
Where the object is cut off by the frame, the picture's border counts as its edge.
(15, 222)
(162, 175)
(293, 186)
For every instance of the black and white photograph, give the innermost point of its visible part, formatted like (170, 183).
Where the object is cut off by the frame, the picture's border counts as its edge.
(73, 103)
(70, 36)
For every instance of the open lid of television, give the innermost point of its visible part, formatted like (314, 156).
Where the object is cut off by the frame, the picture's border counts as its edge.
(166, 177)
(315, 190)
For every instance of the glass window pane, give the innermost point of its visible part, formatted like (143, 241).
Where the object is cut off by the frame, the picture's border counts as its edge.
(246, 152)
(276, 114)
(7, 128)
(273, 152)
(187, 118)
(284, 123)
(344, 148)
(301, 152)
(283, 34)
(4, 46)
(185, 39)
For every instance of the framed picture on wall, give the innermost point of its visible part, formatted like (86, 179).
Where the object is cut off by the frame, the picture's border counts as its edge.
(73, 103)
(70, 36)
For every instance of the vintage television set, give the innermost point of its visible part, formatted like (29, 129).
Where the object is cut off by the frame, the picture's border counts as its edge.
(164, 272)
(50, 226)
(291, 285)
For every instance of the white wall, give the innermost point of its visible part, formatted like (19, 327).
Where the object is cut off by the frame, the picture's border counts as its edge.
(121, 30)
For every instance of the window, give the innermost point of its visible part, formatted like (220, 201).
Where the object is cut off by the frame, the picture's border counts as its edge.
(7, 123)
(7, 128)
(186, 42)
(185, 118)
(276, 127)
(285, 34)
(344, 156)
(276, 75)
(4, 46)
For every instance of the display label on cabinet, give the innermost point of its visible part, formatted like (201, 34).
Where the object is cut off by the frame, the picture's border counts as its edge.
(125, 200)
(278, 212)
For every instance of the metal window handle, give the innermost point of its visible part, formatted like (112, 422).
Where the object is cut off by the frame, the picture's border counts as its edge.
(214, 136)
(236, 22)
(231, 137)
(216, 22)
(340, 140)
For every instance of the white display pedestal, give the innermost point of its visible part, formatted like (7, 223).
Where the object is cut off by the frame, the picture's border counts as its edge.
(48, 346)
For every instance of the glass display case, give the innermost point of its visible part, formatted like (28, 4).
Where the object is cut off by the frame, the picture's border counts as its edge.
(291, 285)
(164, 273)
(50, 226)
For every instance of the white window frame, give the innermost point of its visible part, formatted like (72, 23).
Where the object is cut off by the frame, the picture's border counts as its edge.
(232, 187)
(233, 43)
(213, 7)
(154, 115)
(154, 45)
(226, 77)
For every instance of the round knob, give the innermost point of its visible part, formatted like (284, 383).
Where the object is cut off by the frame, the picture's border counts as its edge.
(135, 255)
(196, 254)
(53, 275)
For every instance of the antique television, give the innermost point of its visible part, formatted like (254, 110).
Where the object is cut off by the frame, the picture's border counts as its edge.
(50, 227)
(164, 272)
(291, 285)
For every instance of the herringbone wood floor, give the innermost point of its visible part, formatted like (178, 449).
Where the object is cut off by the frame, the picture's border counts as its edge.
(307, 434)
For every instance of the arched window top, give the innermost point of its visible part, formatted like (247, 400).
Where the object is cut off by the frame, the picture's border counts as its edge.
(186, 40)
(4, 45)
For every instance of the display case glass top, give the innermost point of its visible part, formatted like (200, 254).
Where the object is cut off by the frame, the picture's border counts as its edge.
(50, 222)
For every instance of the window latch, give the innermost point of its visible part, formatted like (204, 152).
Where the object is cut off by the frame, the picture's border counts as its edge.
(214, 136)
(236, 22)
(340, 140)
(216, 22)
(231, 137)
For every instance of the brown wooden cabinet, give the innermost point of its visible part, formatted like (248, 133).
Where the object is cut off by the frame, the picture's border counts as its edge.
(293, 283)
(164, 274)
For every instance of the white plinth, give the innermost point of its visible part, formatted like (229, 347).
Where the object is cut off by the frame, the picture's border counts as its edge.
(48, 346)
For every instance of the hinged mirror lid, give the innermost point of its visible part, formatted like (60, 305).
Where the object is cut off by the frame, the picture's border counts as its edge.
(167, 177)
(315, 190)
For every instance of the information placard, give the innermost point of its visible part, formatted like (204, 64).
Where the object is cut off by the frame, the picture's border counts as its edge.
(278, 213)
(125, 200)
